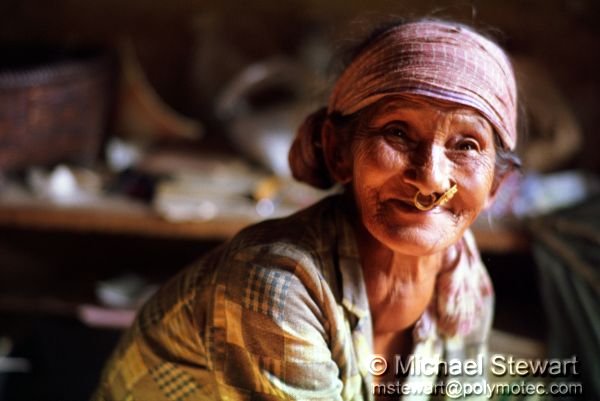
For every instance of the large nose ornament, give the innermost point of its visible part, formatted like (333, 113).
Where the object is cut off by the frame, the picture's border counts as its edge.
(425, 203)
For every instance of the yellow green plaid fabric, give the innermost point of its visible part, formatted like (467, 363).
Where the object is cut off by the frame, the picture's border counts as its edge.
(280, 312)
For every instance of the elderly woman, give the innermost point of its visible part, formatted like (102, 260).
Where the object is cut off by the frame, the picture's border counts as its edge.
(419, 131)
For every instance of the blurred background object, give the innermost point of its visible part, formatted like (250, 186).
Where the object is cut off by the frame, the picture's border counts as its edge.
(54, 105)
(552, 134)
(264, 105)
(567, 252)
(141, 113)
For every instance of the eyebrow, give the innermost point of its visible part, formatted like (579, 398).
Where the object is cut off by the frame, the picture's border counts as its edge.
(480, 120)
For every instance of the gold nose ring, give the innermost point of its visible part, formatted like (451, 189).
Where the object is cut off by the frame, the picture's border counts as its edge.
(449, 194)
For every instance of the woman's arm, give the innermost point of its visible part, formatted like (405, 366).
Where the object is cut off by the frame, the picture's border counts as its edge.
(270, 334)
(255, 325)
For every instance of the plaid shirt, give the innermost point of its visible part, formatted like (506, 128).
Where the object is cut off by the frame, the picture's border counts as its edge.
(279, 312)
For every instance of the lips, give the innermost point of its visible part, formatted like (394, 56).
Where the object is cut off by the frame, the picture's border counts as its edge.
(405, 204)
(408, 206)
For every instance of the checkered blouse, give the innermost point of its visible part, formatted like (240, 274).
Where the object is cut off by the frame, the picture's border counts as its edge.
(279, 312)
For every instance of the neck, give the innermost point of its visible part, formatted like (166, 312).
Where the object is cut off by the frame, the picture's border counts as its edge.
(399, 286)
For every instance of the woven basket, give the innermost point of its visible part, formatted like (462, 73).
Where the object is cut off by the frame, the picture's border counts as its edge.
(52, 111)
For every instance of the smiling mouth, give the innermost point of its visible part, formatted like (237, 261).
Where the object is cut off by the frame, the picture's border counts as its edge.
(407, 205)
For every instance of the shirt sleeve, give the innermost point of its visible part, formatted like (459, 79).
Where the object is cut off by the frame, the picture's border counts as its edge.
(271, 333)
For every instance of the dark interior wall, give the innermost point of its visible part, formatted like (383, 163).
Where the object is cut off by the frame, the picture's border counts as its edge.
(190, 48)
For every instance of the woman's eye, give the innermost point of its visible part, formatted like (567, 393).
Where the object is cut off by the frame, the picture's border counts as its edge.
(468, 145)
(395, 131)
(398, 132)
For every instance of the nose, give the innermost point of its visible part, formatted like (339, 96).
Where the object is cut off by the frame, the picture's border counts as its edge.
(430, 170)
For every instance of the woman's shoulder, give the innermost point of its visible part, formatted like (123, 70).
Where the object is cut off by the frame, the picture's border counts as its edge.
(300, 247)
(307, 232)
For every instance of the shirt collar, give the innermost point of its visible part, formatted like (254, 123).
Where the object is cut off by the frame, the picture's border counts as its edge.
(354, 291)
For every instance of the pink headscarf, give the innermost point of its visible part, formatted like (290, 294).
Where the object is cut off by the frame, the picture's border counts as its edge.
(441, 60)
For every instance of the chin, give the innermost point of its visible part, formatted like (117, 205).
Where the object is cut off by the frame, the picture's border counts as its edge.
(418, 238)
(415, 242)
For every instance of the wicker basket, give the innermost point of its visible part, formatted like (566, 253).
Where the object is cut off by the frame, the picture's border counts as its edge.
(52, 111)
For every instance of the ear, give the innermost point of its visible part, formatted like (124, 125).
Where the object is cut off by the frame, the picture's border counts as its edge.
(337, 154)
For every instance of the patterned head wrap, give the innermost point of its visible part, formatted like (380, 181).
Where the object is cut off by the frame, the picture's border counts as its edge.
(438, 59)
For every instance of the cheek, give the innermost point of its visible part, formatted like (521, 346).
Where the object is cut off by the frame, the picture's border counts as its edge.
(372, 164)
(477, 179)
(375, 162)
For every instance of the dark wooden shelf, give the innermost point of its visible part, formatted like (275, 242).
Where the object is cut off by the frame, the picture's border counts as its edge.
(116, 216)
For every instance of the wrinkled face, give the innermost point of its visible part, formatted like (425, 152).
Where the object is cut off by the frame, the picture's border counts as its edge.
(416, 144)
